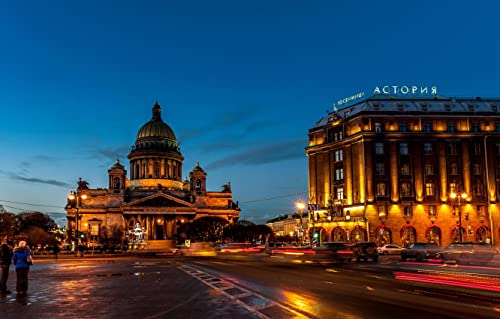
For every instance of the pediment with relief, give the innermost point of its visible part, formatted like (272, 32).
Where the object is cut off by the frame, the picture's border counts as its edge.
(159, 200)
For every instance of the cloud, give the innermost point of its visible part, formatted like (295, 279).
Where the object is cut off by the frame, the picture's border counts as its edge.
(45, 158)
(52, 182)
(265, 154)
(110, 153)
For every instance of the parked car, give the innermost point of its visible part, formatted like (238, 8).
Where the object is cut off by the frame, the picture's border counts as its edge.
(389, 250)
(363, 251)
(420, 251)
(468, 252)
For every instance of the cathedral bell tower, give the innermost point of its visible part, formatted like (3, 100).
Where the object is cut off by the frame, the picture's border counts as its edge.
(198, 181)
(117, 177)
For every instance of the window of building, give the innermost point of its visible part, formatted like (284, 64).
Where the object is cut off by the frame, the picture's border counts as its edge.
(380, 168)
(376, 106)
(432, 211)
(405, 169)
(401, 107)
(453, 188)
(379, 148)
(471, 107)
(405, 189)
(340, 135)
(340, 193)
(381, 210)
(476, 169)
(481, 210)
(347, 113)
(423, 107)
(451, 127)
(452, 149)
(494, 108)
(428, 148)
(447, 107)
(157, 169)
(378, 127)
(429, 189)
(477, 149)
(381, 189)
(453, 168)
(407, 211)
(198, 185)
(339, 156)
(427, 127)
(403, 127)
(497, 127)
(339, 174)
(403, 148)
(477, 188)
(428, 169)
(475, 127)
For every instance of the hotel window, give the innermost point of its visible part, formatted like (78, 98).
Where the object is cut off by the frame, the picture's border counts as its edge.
(481, 210)
(452, 149)
(339, 156)
(405, 189)
(451, 127)
(378, 127)
(427, 127)
(453, 169)
(347, 113)
(428, 148)
(376, 107)
(403, 148)
(340, 193)
(405, 169)
(423, 107)
(381, 210)
(475, 127)
(381, 189)
(428, 169)
(379, 148)
(471, 107)
(432, 211)
(494, 108)
(380, 168)
(447, 107)
(429, 189)
(453, 187)
(497, 127)
(476, 169)
(401, 107)
(403, 127)
(339, 174)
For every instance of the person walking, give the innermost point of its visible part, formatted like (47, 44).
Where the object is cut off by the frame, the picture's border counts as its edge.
(5, 261)
(20, 259)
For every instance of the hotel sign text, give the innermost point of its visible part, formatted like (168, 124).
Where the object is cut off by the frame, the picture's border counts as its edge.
(405, 90)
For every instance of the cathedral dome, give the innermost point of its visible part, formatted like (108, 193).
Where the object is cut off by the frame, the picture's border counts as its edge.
(155, 129)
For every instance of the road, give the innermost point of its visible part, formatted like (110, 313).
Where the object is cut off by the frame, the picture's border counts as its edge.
(251, 287)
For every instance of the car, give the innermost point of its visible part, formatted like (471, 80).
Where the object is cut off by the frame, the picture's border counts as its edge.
(362, 251)
(467, 252)
(389, 249)
(420, 251)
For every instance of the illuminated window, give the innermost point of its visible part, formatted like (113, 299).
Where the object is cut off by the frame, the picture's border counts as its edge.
(408, 211)
(403, 148)
(339, 174)
(380, 168)
(379, 148)
(381, 189)
(427, 127)
(339, 156)
(429, 189)
(381, 210)
(432, 211)
(428, 169)
(405, 169)
(340, 193)
(405, 189)
(453, 187)
(427, 148)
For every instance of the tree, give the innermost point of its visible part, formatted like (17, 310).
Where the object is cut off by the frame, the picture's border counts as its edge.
(208, 228)
(35, 219)
(8, 223)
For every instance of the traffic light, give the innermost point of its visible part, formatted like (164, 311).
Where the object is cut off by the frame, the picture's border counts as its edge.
(315, 235)
(82, 235)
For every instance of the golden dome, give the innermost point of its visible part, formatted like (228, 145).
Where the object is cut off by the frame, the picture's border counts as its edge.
(155, 128)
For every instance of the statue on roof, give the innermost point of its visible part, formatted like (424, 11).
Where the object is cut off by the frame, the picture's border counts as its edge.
(226, 188)
(82, 184)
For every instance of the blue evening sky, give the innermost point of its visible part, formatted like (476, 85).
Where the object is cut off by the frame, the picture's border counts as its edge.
(240, 83)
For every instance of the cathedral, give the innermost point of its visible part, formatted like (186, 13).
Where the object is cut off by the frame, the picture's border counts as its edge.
(150, 206)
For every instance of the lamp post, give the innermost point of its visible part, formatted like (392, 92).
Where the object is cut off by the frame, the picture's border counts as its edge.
(76, 198)
(456, 201)
(300, 206)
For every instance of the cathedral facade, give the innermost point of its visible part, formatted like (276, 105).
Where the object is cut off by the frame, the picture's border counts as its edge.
(149, 206)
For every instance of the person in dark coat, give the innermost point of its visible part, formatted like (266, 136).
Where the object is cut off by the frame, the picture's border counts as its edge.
(5, 261)
(20, 260)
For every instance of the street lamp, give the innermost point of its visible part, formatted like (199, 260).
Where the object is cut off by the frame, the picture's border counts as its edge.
(76, 198)
(456, 201)
(300, 206)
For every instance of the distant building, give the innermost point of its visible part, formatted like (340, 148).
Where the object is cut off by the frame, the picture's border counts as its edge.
(150, 205)
(385, 169)
(287, 225)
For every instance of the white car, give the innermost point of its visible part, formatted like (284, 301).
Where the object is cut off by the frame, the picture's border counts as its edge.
(389, 250)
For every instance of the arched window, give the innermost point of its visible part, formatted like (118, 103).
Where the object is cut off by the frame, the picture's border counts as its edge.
(156, 169)
(116, 183)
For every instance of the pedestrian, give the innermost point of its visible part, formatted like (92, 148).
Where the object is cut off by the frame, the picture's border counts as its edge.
(5, 261)
(20, 258)
(56, 251)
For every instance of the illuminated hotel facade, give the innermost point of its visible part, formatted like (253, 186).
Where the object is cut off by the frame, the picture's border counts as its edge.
(402, 170)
